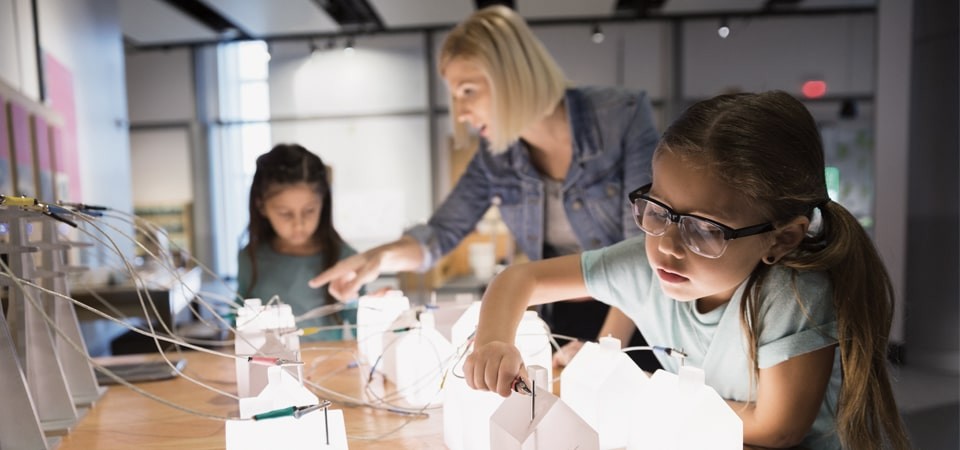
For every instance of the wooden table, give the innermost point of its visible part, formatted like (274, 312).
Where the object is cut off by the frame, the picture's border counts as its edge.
(124, 419)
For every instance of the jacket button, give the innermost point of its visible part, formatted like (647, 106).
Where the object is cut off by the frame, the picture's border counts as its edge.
(496, 200)
(611, 191)
(577, 205)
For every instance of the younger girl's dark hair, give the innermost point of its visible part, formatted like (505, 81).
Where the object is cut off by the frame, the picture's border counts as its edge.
(768, 148)
(283, 166)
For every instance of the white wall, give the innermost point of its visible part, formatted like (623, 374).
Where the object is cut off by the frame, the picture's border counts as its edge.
(161, 100)
(159, 86)
(161, 161)
(780, 53)
(85, 36)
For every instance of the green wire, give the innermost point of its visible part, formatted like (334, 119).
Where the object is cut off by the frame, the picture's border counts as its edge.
(282, 412)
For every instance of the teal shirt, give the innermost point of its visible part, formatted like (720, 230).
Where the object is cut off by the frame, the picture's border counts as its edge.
(620, 275)
(287, 276)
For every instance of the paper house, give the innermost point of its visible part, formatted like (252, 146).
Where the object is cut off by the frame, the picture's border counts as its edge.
(539, 422)
(603, 385)
(282, 391)
(375, 316)
(467, 412)
(677, 405)
(264, 331)
(416, 360)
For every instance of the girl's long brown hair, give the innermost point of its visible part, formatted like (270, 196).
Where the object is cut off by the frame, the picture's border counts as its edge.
(768, 148)
(285, 165)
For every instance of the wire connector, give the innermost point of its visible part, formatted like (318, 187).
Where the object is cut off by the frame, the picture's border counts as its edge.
(270, 361)
(671, 352)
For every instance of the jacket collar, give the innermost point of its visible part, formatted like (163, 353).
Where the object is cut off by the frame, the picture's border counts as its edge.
(587, 140)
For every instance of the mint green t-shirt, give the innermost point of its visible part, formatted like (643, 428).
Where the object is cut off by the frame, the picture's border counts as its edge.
(287, 276)
(620, 275)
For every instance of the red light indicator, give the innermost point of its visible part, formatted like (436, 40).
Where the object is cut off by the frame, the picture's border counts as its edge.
(814, 88)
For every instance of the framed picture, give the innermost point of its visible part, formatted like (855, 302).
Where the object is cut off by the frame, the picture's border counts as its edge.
(6, 168)
(41, 154)
(24, 181)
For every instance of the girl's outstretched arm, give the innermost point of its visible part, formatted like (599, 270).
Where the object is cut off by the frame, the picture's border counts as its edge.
(495, 361)
(788, 399)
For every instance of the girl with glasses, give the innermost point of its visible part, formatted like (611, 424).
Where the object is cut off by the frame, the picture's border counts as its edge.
(291, 236)
(770, 287)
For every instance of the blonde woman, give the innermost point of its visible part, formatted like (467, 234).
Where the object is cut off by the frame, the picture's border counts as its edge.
(558, 160)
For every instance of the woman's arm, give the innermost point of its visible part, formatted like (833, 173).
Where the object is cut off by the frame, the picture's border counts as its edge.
(347, 276)
(495, 361)
(788, 400)
(421, 246)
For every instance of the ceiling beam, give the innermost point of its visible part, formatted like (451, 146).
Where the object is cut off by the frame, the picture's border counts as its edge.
(210, 17)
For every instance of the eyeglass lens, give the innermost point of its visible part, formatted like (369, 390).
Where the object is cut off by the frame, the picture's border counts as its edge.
(701, 237)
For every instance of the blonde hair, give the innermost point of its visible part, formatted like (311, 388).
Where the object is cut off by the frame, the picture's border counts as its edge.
(525, 82)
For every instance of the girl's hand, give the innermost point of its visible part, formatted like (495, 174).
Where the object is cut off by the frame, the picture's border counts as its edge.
(493, 367)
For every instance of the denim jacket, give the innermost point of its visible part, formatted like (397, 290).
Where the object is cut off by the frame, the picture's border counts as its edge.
(613, 142)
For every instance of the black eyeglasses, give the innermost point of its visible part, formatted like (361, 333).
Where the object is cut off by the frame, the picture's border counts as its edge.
(705, 237)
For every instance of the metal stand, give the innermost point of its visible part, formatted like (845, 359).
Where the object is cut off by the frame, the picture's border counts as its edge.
(76, 366)
(31, 334)
(19, 424)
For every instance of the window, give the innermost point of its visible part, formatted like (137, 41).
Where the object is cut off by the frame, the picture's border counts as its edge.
(240, 136)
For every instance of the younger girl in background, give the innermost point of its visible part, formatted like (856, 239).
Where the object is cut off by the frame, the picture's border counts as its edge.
(769, 286)
(291, 235)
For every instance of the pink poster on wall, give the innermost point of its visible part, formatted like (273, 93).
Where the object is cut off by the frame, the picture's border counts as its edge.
(61, 182)
(59, 84)
(41, 147)
(22, 150)
(6, 175)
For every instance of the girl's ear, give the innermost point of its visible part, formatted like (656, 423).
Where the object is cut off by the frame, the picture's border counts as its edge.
(786, 238)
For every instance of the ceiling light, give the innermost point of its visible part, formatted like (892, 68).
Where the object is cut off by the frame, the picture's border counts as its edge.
(597, 34)
(724, 30)
(348, 48)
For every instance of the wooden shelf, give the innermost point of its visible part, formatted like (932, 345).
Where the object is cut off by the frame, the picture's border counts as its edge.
(175, 219)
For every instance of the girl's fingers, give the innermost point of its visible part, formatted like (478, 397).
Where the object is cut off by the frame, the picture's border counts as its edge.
(468, 367)
(505, 378)
(491, 375)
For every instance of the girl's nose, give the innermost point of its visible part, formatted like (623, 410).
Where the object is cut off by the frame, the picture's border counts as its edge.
(300, 223)
(671, 242)
(463, 116)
